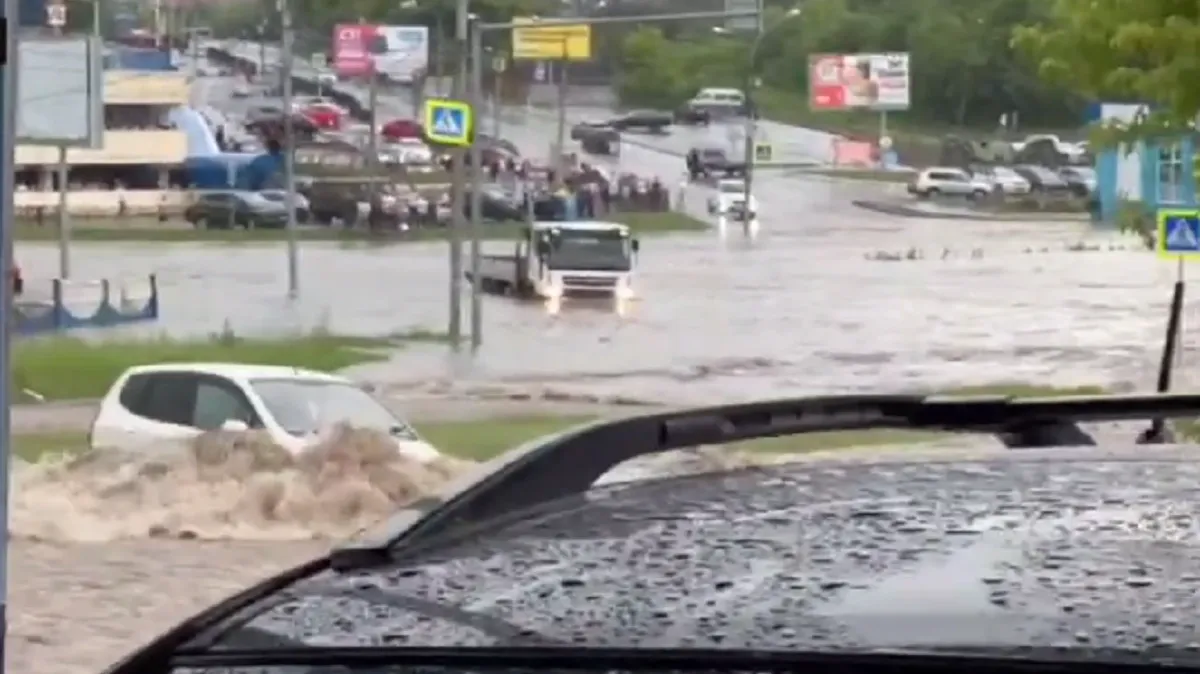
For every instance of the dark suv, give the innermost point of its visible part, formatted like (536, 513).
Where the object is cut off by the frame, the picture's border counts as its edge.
(224, 210)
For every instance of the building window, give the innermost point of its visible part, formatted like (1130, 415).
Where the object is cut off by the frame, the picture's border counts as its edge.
(1170, 174)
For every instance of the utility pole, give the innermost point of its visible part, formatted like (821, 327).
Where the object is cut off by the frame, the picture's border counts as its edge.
(289, 147)
(8, 124)
(457, 187)
(57, 25)
(751, 129)
(373, 143)
(561, 143)
(476, 195)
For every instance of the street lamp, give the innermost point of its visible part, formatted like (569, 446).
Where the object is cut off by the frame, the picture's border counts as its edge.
(751, 84)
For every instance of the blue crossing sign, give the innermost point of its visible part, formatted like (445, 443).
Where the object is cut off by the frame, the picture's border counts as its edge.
(1178, 233)
(448, 122)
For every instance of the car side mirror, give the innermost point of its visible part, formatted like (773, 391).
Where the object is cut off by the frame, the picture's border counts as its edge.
(637, 245)
(543, 248)
(235, 426)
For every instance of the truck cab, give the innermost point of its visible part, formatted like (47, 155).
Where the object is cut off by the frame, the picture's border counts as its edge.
(566, 259)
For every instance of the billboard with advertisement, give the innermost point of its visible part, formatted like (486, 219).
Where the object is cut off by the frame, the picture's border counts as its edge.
(399, 53)
(551, 43)
(858, 81)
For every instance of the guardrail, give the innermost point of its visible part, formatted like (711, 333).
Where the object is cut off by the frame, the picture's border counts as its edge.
(58, 309)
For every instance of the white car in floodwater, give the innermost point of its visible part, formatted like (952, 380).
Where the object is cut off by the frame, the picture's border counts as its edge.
(730, 192)
(152, 406)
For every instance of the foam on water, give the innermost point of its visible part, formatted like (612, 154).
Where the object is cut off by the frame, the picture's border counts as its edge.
(224, 486)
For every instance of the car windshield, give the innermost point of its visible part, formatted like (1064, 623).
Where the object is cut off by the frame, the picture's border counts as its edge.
(303, 407)
(590, 250)
(1006, 173)
(731, 187)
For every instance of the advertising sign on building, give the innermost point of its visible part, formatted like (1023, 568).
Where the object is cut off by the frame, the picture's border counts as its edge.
(399, 53)
(858, 81)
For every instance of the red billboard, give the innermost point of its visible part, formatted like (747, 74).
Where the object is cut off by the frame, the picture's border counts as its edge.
(848, 81)
(352, 49)
(398, 53)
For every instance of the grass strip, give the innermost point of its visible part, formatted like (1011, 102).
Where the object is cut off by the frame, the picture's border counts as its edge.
(65, 368)
(639, 223)
(483, 439)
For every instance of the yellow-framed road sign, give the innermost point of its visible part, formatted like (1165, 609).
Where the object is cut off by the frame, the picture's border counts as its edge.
(449, 122)
(551, 43)
(1178, 233)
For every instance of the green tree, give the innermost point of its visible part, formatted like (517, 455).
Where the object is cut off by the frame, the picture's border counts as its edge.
(1124, 51)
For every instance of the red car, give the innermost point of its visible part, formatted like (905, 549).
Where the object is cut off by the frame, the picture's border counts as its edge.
(399, 129)
(326, 117)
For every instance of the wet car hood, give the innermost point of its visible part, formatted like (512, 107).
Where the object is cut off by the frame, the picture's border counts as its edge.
(1092, 548)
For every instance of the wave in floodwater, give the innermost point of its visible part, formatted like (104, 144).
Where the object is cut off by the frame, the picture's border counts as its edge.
(241, 486)
(223, 486)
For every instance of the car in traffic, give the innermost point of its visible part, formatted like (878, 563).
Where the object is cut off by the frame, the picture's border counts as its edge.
(326, 117)
(731, 193)
(155, 408)
(562, 555)
(229, 209)
(705, 162)
(948, 181)
(651, 121)
(597, 137)
(713, 103)
(498, 205)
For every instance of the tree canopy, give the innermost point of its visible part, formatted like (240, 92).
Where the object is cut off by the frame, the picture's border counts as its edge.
(965, 70)
(1117, 50)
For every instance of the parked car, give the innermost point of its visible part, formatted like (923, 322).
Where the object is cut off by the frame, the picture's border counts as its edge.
(301, 202)
(1080, 179)
(946, 181)
(1003, 179)
(498, 205)
(224, 210)
(398, 129)
(1042, 180)
(152, 407)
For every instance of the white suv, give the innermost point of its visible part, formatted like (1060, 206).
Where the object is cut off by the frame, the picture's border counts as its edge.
(156, 407)
(937, 181)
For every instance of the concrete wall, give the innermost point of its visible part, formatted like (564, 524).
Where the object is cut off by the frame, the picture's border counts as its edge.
(104, 203)
(167, 147)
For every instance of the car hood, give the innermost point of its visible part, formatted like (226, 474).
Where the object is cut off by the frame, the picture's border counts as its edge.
(1029, 549)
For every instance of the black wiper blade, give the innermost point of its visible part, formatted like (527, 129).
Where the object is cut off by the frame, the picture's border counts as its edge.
(648, 660)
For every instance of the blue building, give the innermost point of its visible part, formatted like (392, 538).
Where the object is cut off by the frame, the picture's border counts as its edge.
(1156, 173)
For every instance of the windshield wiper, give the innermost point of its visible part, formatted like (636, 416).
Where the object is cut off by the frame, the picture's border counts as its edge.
(664, 660)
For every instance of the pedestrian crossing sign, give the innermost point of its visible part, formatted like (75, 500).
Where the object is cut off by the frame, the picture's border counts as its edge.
(448, 122)
(1178, 234)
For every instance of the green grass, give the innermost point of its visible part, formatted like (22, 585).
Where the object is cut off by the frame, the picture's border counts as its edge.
(639, 223)
(63, 368)
(483, 439)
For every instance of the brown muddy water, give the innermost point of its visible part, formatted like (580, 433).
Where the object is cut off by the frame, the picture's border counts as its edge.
(110, 548)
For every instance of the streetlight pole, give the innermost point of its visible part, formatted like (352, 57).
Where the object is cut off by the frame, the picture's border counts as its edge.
(475, 100)
(289, 145)
(750, 89)
(457, 196)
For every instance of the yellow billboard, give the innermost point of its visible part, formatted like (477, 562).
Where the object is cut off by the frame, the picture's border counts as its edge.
(129, 87)
(551, 43)
(156, 148)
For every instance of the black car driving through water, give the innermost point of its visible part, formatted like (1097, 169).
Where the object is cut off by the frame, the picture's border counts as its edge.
(652, 121)
(597, 137)
(705, 162)
(1047, 552)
